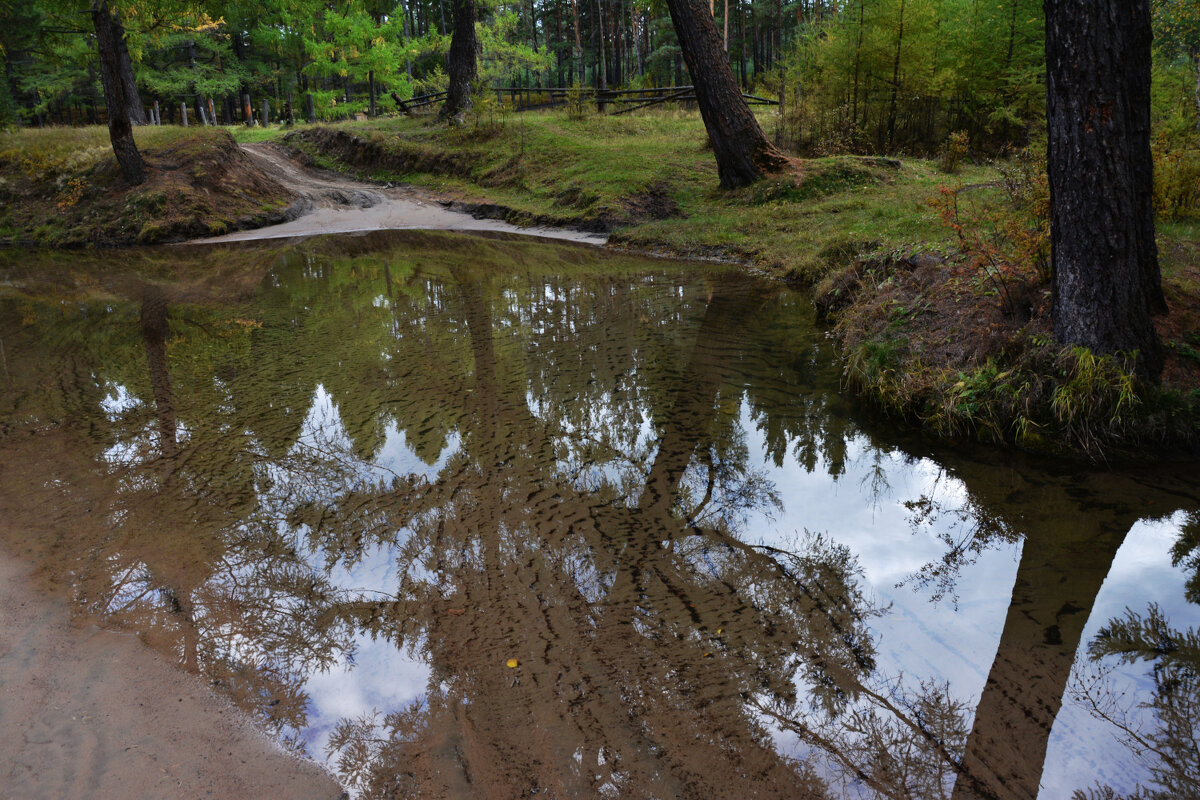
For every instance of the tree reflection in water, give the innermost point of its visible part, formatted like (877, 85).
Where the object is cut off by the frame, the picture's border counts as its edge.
(584, 510)
(1171, 748)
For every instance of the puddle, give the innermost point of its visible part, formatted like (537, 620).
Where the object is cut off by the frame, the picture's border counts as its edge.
(472, 516)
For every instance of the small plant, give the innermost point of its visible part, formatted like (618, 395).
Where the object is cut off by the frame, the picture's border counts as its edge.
(488, 118)
(578, 104)
(1096, 397)
(1007, 243)
(1176, 181)
(952, 152)
(70, 192)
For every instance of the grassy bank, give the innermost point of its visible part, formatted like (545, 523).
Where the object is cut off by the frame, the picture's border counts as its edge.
(651, 181)
(936, 285)
(61, 187)
(960, 344)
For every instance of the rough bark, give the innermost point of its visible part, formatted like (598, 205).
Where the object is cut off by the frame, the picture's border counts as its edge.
(120, 131)
(461, 68)
(1106, 282)
(1195, 54)
(133, 100)
(743, 152)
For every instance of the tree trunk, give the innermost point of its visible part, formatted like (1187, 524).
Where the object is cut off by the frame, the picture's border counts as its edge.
(1060, 573)
(1106, 282)
(891, 129)
(1196, 60)
(462, 61)
(743, 152)
(857, 61)
(120, 131)
(602, 69)
(578, 41)
(725, 20)
(133, 100)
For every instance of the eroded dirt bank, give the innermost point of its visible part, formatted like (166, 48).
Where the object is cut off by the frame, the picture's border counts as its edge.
(331, 203)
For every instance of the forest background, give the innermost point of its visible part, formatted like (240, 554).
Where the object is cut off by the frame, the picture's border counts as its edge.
(866, 76)
(960, 341)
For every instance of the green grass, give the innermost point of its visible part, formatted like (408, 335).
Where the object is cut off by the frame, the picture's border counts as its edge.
(650, 176)
(260, 134)
(41, 151)
(546, 165)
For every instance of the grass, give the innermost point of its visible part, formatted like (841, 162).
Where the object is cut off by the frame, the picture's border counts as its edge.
(944, 323)
(651, 179)
(61, 187)
(42, 152)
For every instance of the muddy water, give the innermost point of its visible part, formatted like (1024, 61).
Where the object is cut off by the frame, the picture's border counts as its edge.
(478, 517)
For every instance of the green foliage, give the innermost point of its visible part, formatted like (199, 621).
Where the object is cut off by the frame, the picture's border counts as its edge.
(1096, 398)
(578, 103)
(504, 56)
(1176, 181)
(903, 74)
(953, 150)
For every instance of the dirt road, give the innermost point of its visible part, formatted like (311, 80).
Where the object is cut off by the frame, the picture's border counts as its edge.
(332, 203)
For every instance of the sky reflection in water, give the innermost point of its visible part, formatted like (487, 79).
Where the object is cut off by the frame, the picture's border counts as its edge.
(395, 461)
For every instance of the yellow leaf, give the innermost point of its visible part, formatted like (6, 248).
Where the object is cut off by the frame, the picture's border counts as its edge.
(511, 663)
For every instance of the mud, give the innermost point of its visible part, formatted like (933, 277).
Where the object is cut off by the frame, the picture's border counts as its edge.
(331, 203)
(94, 713)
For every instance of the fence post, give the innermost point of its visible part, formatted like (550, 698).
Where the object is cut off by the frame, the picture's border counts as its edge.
(248, 109)
(266, 114)
(183, 113)
(157, 114)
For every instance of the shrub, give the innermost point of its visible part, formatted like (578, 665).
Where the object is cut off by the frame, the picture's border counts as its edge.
(952, 152)
(1176, 180)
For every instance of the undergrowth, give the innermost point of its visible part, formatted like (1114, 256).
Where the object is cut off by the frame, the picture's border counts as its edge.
(961, 345)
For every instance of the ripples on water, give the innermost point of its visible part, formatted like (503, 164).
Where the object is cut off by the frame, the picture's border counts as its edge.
(485, 517)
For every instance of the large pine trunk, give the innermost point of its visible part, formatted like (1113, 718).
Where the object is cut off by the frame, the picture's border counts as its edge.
(462, 61)
(133, 100)
(743, 152)
(120, 131)
(1106, 280)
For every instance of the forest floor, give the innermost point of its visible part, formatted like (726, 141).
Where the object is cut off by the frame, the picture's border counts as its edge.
(943, 317)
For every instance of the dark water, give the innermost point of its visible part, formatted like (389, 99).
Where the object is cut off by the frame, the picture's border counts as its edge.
(473, 517)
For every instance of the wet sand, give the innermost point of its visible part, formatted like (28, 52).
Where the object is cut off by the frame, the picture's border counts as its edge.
(337, 204)
(93, 713)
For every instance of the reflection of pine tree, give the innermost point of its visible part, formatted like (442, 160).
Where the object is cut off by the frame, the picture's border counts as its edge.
(1171, 750)
(637, 638)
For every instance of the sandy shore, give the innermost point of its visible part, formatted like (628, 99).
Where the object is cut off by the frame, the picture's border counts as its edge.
(89, 713)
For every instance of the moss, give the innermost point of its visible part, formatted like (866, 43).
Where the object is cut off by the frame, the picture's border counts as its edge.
(151, 233)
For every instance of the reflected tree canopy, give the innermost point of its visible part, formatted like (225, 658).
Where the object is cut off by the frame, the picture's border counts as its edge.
(562, 458)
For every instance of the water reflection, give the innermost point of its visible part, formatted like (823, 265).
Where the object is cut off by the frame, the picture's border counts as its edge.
(571, 488)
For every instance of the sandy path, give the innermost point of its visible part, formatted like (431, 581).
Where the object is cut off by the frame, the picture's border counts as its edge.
(89, 713)
(341, 205)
